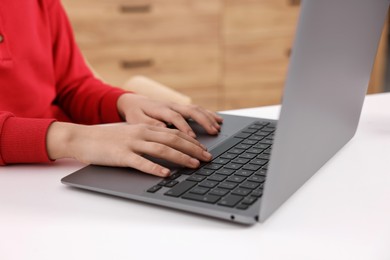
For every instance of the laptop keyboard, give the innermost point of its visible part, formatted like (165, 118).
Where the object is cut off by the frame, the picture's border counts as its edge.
(234, 178)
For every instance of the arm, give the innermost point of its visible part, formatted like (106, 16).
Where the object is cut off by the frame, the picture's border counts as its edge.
(22, 140)
(83, 97)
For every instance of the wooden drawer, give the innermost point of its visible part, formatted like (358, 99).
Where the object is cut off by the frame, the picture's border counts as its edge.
(259, 66)
(141, 21)
(253, 95)
(258, 35)
(245, 19)
(183, 66)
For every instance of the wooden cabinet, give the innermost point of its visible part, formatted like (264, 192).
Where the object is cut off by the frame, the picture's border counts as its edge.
(257, 36)
(175, 42)
(223, 53)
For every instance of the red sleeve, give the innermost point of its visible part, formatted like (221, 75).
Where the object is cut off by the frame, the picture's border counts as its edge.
(83, 97)
(23, 140)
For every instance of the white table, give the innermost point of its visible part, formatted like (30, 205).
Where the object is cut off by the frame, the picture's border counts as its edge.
(343, 212)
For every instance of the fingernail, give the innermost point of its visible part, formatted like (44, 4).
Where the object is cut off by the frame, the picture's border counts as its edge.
(207, 155)
(192, 134)
(194, 162)
(204, 147)
(165, 171)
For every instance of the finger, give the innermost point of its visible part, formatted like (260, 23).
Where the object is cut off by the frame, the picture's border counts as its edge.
(216, 116)
(170, 154)
(176, 132)
(140, 163)
(175, 118)
(144, 119)
(200, 115)
(180, 144)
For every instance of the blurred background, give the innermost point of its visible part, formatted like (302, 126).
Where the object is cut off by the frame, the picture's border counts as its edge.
(224, 54)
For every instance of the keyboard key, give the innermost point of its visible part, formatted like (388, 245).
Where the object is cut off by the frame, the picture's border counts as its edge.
(240, 160)
(199, 190)
(268, 151)
(229, 156)
(164, 182)
(241, 191)
(221, 160)
(202, 198)
(208, 184)
(250, 185)
(257, 127)
(254, 150)
(233, 166)
(268, 129)
(260, 162)
(263, 156)
(243, 135)
(230, 200)
(243, 146)
(242, 206)
(204, 172)
(248, 155)
(261, 172)
(225, 171)
(187, 171)
(227, 185)
(244, 173)
(180, 188)
(251, 167)
(217, 177)
(249, 142)
(219, 192)
(256, 137)
(249, 200)
(236, 179)
(213, 166)
(257, 178)
(154, 189)
(171, 184)
(236, 151)
(197, 178)
(174, 176)
(257, 193)
(249, 130)
(261, 134)
(261, 146)
(266, 141)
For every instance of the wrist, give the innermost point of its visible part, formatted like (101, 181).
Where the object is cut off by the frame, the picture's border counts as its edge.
(59, 140)
(121, 104)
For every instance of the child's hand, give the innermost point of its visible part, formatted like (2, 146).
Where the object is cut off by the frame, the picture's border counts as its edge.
(123, 145)
(138, 109)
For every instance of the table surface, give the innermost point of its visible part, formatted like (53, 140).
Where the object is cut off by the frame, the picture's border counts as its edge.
(343, 212)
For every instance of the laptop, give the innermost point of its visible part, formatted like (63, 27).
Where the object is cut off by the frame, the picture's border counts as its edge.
(258, 163)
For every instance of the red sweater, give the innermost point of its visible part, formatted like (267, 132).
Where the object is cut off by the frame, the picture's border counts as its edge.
(43, 78)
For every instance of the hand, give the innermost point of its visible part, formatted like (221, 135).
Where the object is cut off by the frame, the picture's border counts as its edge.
(139, 109)
(123, 145)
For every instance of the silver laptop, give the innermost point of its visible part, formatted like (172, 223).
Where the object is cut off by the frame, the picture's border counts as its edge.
(256, 168)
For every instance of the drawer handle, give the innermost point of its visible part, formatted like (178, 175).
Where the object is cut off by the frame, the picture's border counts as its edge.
(132, 64)
(135, 8)
(294, 2)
